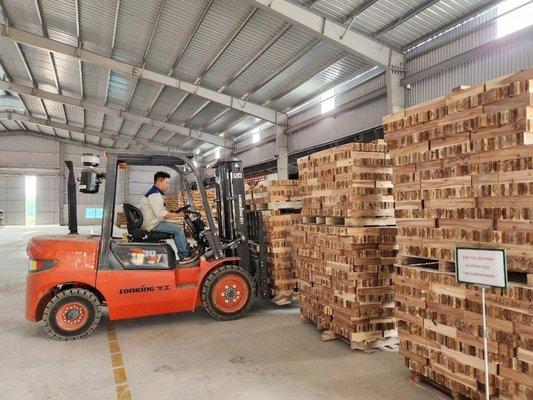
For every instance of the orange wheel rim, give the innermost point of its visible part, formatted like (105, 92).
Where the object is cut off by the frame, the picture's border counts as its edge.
(72, 316)
(230, 293)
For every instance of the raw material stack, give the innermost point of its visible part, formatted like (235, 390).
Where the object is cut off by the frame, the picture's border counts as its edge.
(174, 202)
(275, 194)
(463, 176)
(280, 208)
(345, 248)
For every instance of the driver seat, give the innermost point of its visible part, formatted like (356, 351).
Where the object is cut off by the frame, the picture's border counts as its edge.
(134, 221)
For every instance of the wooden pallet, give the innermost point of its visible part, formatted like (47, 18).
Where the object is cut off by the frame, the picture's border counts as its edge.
(370, 346)
(277, 205)
(345, 221)
(518, 277)
(421, 380)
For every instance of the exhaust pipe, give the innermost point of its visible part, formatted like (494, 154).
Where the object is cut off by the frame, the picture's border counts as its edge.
(72, 203)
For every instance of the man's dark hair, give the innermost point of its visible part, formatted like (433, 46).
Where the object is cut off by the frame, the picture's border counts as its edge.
(160, 175)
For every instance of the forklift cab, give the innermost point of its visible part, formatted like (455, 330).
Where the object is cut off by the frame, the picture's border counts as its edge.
(227, 239)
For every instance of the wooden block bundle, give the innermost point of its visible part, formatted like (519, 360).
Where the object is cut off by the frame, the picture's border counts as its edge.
(463, 171)
(350, 184)
(277, 225)
(463, 176)
(344, 252)
(440, 327)
(274, 194)
(277, 200)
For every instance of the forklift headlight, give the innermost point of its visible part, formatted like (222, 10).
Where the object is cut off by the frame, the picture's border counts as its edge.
(40, 265)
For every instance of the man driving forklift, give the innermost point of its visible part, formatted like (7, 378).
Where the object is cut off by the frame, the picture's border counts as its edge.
(156, 218)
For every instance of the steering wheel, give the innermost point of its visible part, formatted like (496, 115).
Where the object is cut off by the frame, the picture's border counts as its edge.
(185, 208)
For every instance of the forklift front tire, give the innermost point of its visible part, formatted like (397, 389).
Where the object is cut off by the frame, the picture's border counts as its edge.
(228, 293)
(72, 314)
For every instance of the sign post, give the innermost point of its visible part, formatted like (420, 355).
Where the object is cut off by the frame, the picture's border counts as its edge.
(483, 268)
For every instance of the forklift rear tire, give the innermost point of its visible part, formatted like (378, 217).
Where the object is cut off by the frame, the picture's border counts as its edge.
(228, 293)
(72, 314)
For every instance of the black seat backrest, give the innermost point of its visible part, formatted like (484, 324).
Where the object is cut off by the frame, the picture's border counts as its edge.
(134, 219)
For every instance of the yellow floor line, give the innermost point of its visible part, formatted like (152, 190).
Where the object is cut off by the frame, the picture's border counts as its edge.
(119, 372)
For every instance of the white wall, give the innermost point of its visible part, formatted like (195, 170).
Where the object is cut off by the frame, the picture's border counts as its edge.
(23, 155)
(12, 199)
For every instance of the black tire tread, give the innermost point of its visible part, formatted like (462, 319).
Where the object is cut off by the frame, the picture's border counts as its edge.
(212, 278)
(74, 292)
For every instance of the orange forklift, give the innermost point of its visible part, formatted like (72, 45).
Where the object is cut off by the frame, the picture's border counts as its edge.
(72, 277)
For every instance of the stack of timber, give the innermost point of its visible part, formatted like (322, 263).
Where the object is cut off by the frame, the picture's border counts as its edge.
(441, 334)
(175, 201)
(463, 176)
(275, 194)
(277, 201)
(344, 249)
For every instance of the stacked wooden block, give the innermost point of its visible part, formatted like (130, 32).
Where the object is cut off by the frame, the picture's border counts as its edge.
(463, 171)
(440, 329)
(463, 176)
(173, 202)
(345, 249)
(275, 194)
(277, 201)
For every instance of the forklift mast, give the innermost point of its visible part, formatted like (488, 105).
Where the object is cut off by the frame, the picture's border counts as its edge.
(231, 208)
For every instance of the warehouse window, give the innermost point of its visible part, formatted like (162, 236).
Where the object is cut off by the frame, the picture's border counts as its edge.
(256, 136)
(217, 154)
(93, 213)
(518, 16)
(328, 102)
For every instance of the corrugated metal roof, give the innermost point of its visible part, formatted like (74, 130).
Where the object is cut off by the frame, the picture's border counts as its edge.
(257, 33)
(168, 99)
(285, 49)
(311, 63)
(336, 10)
(221, 21)
(233, 43)
(437, 16)
(340, 71)
(59, 17)
(22, 14)
(97, 19)
(135, 23)
(176, 23)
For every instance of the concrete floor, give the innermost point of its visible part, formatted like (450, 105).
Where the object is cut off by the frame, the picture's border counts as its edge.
(270, 354)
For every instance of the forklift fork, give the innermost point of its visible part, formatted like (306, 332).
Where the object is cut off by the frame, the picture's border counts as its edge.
(258, 255)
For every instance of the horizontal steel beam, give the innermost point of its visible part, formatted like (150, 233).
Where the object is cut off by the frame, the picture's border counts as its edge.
(371, 50)
(71, 101)
(73, 128)
(50, 137)
(476, 52)
(29, 39)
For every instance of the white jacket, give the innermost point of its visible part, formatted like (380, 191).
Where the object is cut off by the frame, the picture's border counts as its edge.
(153, 209)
